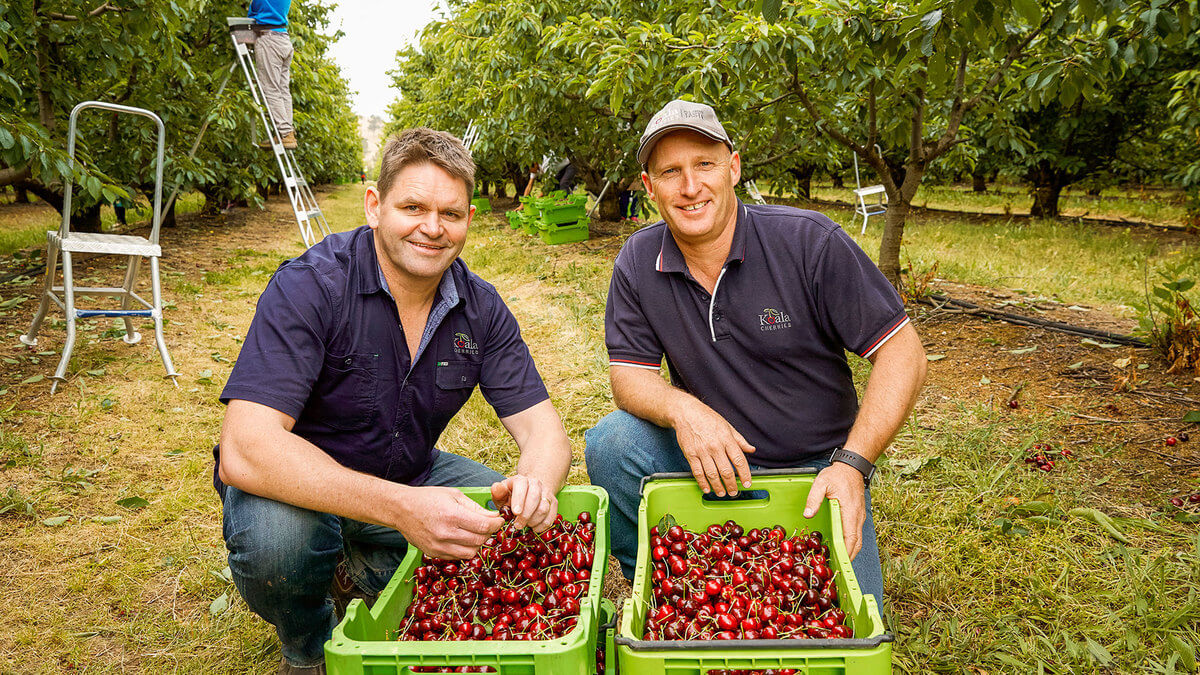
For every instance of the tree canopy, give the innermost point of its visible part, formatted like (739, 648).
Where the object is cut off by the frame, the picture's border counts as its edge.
(169, 58)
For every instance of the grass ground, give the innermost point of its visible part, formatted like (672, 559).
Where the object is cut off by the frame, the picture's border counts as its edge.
(988, 568)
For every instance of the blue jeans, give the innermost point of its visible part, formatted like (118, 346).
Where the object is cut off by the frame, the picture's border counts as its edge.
(621, 449)
(282, 557)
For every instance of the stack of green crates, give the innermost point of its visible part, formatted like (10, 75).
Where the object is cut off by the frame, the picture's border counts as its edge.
(779, 498)
(360, 644)
(563, 218)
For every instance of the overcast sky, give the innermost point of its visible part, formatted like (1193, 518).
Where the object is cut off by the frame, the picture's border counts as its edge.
(374, 31)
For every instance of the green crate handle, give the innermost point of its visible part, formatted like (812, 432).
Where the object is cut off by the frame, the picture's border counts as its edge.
(676, 475)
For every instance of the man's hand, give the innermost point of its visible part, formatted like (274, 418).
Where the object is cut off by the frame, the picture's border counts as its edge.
(445, 523)
(844, 483)
(715, 451)
(532, 501)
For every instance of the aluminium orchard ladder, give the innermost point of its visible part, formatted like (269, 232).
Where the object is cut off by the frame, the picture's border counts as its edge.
(862, 208)
(304, 204)
(134, 248)
(752, 189)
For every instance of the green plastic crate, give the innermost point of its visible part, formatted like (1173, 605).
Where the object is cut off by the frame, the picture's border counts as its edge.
(529, 221)
(869, 652)
(564, 210)
(514, 219)
(607, 631)
(564, 234)
(482, 204)
(359, 645)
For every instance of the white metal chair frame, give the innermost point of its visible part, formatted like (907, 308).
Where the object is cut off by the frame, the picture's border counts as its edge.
(862, 208)
(135, 248)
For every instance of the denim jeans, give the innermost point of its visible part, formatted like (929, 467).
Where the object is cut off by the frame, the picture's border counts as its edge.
(621, 449)
(282, 557)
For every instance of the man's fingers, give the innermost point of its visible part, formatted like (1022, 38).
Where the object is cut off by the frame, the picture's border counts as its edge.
(543, 518)
(853, 533)
(517, 502)
(501, 492)
(728, 475)
(712, 475)
(815, 496)
(533, 500)
(741, 466)
(742, 442)
(698, 474)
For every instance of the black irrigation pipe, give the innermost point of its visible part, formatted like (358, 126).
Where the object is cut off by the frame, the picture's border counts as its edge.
(935, 300)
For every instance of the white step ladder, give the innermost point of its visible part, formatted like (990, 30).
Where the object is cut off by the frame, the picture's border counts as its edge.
(134, 248)
(304, 204)
(752, 189)
(862, 208)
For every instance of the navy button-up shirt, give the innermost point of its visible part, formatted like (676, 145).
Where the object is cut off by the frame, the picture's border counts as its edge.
(326, 348)
(767, 350)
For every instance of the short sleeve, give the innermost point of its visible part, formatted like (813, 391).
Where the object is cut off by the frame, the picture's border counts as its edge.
(285, 347)
(509, 380)
(630, 338)
(855, 303)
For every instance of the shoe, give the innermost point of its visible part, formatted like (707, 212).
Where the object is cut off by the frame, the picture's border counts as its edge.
(286, 668)
(289, 141)
(343, 589)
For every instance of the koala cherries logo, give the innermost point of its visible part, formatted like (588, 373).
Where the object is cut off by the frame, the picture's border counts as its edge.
(464, 345)
(773, 319)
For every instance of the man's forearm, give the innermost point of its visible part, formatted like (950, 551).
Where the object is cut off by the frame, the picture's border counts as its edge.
(545, 448)
(260, 456)
(643, 393)
(892, 389)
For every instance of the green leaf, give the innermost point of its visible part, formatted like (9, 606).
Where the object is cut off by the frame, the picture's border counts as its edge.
(1023, 350)
(1029, 10)
(934, 357)
(931, 20)
(33, 378)
(1187, 654)
(106, 520)
(665, 523)
(770, 9)
(95, 373)
(1098, 652)
(1075, 366)
(133, 503)
(55, 521)
(1192, 416)
(218, 606)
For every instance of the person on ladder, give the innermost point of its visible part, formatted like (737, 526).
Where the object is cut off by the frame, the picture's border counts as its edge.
(273, 59)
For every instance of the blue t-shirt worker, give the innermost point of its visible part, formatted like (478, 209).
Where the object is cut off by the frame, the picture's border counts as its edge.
(754, 308)
(273, 63)
(360, 352)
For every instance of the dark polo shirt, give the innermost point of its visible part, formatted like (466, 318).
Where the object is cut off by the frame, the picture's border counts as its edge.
(768, 349)
(326, 348)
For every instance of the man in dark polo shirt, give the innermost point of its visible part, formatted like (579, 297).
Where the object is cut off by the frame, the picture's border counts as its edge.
(754, 308)
(361, 351)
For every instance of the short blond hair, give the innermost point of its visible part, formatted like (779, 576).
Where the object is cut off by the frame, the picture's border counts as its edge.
(422, 145)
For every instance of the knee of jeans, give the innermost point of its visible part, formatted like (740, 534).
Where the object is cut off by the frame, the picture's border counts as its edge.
(603, 444)
(273, 541)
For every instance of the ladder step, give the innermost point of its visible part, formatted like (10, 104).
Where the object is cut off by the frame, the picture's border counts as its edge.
(87, 313)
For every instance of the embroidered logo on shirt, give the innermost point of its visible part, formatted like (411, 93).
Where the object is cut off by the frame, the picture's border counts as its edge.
(464, 345)
(773, 319)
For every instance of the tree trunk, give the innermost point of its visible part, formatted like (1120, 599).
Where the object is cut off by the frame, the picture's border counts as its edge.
(86, 220)
(978, 182)
(893, 233)
(502, 189)
(1045, 197)
(483, 188)
(22, 196)
(610, 208)
(803, 175)
(168, 218)
(837, 180)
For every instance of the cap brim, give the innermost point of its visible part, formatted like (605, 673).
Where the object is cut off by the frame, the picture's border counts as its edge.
(647, 145)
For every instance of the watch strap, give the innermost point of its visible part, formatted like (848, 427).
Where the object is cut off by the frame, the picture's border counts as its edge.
(864, 466)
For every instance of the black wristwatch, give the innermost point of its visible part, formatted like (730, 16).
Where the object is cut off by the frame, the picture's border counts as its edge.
(865, 467)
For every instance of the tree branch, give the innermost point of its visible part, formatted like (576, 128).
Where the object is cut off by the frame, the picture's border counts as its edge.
(1012, 55)
(766, 104)
(774, 158)
(101, 9)
(17, 174)
(872, 126)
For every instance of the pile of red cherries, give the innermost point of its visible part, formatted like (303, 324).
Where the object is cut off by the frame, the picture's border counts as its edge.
(726, 583)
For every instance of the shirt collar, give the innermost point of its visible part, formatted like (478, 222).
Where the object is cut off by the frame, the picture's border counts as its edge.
(670, 258)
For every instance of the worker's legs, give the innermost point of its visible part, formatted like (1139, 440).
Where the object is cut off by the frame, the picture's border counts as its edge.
(273, 61)
(283, 557)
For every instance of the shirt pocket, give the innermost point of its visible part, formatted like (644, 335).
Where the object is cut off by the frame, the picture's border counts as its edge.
(344, 396)
(455, 381)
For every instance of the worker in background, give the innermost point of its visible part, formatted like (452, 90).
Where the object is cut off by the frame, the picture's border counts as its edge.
(273, 60)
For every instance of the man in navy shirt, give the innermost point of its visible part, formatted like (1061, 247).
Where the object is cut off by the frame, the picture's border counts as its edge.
(273, 63)
(360, 352)
(754, 308)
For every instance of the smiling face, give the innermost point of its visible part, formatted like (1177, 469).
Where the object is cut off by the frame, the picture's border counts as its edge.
(420, 224)
(690, 178)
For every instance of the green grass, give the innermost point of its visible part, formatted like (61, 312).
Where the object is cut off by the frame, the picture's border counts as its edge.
(25, 226)
(974, 582)
(1164, 207)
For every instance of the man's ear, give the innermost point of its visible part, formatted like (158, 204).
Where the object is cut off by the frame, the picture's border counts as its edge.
(371, 206)
(646, 184)
(735, 167)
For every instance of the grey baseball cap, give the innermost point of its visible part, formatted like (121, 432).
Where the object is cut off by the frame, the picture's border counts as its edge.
(680, 114)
